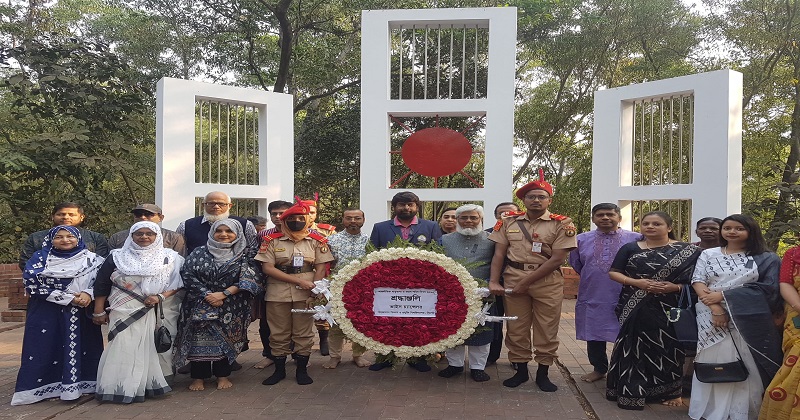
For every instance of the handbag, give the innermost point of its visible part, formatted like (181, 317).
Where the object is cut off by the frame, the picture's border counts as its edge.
(163, 338)
(683, 319)
(713, 373)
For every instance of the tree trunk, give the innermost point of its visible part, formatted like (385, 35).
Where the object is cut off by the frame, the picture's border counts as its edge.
(286, 42)
(784, 206)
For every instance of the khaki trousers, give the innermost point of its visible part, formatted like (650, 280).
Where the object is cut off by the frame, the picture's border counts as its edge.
(286, 327)
(336, 343)
(538, 310)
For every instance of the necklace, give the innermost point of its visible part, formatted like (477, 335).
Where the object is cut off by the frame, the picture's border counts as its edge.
(726, 252)
(647, 245)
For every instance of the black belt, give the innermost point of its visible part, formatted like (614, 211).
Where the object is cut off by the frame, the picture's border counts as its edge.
(522, 266)
(290, 269)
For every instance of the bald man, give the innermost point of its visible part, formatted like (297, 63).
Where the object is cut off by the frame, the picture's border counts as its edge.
(216, 206)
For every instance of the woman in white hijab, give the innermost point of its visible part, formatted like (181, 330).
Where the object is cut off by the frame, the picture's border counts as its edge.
(135, 280)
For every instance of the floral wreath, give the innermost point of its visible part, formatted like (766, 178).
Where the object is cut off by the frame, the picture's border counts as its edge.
(457, 307)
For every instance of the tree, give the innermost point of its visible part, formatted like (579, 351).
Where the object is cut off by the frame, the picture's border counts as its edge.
(74, 128)
(762, 41)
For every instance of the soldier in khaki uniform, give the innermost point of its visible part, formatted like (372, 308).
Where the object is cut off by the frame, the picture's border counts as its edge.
(532, 245)
(292, 260)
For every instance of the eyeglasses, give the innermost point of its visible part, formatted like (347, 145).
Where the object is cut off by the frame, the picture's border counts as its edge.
(144, 234)
(537, 197)
(469, 218)
(213, 204)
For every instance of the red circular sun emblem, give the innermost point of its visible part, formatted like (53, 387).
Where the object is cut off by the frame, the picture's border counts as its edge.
(778, 394)
(436, 152)
(405, 273)
(452, 152)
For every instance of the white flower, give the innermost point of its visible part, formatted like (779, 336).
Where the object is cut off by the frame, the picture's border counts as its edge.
(469, 285)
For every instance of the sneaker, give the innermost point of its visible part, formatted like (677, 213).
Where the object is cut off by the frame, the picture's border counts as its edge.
(451, 371)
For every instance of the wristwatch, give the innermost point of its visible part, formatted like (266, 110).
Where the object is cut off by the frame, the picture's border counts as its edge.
(226, 292)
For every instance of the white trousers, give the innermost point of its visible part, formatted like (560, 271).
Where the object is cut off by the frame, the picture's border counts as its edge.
(477, 356)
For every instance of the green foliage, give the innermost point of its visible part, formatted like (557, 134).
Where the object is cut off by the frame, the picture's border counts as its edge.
(399, 242)
(76, 107)
(74, 128)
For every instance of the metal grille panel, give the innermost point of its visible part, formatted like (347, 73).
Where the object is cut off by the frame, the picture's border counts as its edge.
(439, 61)
(663, 140)
(226, 143)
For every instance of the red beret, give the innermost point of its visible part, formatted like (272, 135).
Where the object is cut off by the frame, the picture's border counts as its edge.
(310, 203)
(300, 208)
(534, 185)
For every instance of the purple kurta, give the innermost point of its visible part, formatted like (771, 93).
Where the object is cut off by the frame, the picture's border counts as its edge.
(598, 295)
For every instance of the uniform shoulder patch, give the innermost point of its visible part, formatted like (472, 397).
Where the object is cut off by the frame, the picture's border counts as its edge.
(318, 237)
(266, 239)
(323, 241)
(325, 226)
(497, 225)
(565, 220)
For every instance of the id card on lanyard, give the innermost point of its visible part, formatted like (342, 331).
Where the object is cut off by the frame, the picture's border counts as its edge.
(536, 246)
(298, 260)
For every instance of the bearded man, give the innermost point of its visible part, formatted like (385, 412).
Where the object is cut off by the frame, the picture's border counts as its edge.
(405, 224)
(216, 206)
(471, 244)
(413, 229)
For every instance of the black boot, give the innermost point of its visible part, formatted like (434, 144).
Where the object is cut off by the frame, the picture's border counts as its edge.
(280, 371)
(302, 370)
(520, 377)
(323, 343)
(543, 381)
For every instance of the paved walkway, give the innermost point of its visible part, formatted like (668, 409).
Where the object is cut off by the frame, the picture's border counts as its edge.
(350, 393)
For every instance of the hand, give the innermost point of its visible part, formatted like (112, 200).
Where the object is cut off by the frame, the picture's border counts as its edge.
(82, 299)
(643, 284)
(305, 284)
(520, 289)
(660, 287)
(100, 320)
(215, 299)
(711, 298)
(720, 320)
(151, 300)
(496, 289)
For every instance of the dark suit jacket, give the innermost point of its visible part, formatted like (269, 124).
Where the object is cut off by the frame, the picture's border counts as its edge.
(385, 232)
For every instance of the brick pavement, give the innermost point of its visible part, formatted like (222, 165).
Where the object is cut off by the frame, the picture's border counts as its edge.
(349, 393)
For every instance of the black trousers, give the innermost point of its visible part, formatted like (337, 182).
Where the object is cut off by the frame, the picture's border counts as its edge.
(496, 346)
(204, 370)
(596, 351)
(263, 327)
